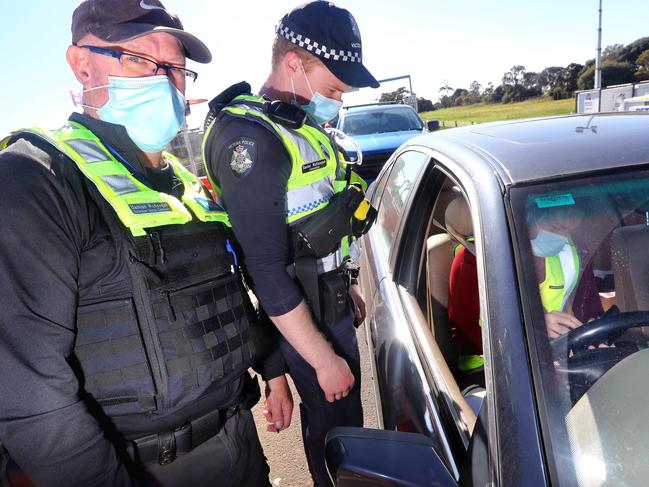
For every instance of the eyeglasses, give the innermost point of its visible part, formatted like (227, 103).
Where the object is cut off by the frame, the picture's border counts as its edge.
(136, 65)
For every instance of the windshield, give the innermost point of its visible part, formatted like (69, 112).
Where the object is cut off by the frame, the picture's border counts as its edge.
(381, 121)
(584, 250)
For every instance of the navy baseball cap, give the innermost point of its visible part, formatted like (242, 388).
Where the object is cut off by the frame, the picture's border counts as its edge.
(331, 34)
(125, 20)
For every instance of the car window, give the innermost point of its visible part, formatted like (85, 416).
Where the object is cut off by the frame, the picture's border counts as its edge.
(447, 292)
(398, 186)
(381, 121)
(453, 288)
(585, 275)
(376, 188)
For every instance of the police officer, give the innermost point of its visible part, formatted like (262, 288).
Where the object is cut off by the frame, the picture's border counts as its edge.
(279, 174)
(126, 331)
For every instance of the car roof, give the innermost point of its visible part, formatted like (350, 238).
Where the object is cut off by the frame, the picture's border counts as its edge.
(542, 148)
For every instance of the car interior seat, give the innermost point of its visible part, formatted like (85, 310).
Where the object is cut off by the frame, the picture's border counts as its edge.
(440, 253)
(629, 246)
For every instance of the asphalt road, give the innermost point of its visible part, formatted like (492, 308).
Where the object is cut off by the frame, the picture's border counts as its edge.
(284, 450)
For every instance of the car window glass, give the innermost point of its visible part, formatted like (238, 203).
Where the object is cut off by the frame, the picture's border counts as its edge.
(398, 186)
(381, 121)
(586, 278)
(376, 188)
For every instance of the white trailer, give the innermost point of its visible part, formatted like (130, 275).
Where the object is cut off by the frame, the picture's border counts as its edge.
(637, 104)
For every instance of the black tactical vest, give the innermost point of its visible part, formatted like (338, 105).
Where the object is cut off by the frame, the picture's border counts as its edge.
(183, 330)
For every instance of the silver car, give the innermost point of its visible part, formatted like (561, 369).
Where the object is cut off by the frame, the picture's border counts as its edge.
(507, 285)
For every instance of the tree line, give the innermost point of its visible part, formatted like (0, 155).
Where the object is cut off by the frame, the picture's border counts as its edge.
(620, 64)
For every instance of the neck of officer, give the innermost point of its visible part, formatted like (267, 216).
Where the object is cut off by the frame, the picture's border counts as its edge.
(277, 88)
(147, 159)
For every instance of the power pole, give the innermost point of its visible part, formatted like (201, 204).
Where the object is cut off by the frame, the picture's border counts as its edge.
(598, 59)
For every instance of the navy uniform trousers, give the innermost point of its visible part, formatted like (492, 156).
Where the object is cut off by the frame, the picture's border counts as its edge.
(317, 415)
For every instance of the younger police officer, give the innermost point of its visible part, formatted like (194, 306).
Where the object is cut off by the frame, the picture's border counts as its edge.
(279, 178)
(126, 333)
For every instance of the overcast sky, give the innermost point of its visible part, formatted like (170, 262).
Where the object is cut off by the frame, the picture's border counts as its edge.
(431, 40)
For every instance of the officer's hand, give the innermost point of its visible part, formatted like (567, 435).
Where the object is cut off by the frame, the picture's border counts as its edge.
(278, 405)
(359, 308)
(558, 323)
(335, 378)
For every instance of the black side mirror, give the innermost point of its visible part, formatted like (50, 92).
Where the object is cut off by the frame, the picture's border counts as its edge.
(367, 457)
(432, 125)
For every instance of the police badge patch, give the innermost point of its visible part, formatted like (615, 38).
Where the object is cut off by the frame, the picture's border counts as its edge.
(243, 156)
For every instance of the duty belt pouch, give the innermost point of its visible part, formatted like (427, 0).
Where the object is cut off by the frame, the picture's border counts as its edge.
(319, 236)
(333, 296)
(321, 233)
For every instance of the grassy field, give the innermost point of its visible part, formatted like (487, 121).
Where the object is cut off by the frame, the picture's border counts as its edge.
(483, 112)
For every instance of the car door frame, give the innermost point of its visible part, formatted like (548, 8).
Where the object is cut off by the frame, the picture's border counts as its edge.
(376, 248)
(425, 354)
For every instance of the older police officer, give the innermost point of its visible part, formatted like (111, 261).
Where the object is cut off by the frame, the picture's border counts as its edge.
(278, 173)
(126, 332)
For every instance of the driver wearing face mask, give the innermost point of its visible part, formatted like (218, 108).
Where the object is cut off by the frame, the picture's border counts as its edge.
(558, 266)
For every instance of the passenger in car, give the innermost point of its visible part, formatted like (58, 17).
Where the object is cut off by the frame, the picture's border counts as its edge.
(463, 298)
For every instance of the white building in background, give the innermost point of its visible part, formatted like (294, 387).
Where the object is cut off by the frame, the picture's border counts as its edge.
(616, 98)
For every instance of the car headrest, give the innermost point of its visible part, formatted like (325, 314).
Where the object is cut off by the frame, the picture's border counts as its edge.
(457, 221)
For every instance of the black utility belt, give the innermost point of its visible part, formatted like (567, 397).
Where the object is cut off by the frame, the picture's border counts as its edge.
(163, 448)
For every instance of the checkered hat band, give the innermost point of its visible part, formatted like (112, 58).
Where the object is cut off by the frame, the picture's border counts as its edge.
(318, 49)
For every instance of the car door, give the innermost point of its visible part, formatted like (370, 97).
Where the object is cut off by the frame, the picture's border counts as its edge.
(503, 443)
(405, 400)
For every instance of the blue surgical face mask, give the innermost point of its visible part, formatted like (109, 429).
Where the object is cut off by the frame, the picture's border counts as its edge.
(547, 244)
(151, 109)
(321, 108)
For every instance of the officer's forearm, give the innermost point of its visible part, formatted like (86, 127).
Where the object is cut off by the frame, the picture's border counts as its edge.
(299, 329)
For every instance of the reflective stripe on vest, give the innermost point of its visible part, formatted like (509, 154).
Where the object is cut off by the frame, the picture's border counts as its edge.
(137, 206)
(561, 276)
(469, 362)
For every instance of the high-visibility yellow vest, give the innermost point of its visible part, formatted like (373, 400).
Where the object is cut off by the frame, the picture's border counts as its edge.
(555, 289)
(310, 185)
(137, 206)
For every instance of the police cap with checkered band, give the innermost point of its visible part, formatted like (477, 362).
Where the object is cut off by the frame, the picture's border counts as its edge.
(331, 34)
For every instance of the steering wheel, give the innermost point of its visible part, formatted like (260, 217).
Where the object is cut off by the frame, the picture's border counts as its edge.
(585, 366)
(607, 328)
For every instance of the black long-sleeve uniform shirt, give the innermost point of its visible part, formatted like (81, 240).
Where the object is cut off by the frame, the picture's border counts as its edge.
(254, 192)
(53, 243)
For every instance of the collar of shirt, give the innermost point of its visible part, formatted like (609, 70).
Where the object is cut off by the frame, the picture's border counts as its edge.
(161, 179)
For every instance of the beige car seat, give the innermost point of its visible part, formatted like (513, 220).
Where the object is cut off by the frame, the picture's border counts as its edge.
(629, 247)
(440, 253)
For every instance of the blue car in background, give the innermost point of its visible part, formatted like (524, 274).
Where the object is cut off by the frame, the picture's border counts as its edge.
(379, 129)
